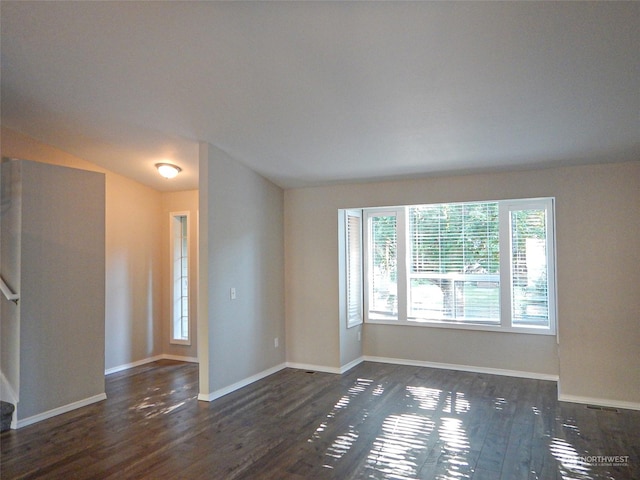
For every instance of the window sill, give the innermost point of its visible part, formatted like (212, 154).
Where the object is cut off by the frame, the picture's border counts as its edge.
(463, 326)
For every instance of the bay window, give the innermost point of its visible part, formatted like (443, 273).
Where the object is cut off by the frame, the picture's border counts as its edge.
(475, 265)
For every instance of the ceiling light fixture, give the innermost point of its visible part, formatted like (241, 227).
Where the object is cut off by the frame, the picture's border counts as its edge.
(167, 170)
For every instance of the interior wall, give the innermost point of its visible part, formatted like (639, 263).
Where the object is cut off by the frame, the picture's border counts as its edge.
(311, 277)
(10, 228)
(243, 237)
(134, 272)
(62, 287)
(186, 201)
(133, 254)
(598, 233)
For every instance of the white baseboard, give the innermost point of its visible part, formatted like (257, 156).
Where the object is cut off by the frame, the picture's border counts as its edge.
(345, 368)
(601, 402)
(210, 397)
(144, 361)
(464, 368)
(179, 358)
(127, 366)
(60, 410)
(314, 368)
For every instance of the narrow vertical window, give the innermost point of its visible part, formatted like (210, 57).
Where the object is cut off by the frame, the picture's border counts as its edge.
(531, 282)
(382, 298)
(354, 267)
(180, 278)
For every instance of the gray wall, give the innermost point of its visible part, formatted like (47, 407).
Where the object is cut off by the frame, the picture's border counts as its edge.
(241, 235)
(10, 215)
(598, 234)
(62, 287)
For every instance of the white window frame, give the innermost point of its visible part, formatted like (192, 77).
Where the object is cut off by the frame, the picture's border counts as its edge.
(173, 216)
(505, 325)
(506, 207)
(347, 292)
(401, 286)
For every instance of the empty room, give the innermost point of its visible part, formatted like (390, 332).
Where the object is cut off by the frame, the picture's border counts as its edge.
(332, 240)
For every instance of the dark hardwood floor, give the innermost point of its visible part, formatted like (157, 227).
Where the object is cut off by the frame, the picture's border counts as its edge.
(377, 421)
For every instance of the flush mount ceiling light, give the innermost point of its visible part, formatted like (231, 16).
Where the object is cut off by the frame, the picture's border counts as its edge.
(168, 170)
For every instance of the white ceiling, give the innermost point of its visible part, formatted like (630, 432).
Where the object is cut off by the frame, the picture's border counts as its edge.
(310, 93)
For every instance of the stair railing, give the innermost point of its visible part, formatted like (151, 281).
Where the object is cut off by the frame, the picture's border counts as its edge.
(8, 293)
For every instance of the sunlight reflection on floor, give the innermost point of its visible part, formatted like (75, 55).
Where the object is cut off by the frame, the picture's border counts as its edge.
(396, 450)
(571, 464)
(429, 437)
(405, 440)
(165, 406)
(343, 442)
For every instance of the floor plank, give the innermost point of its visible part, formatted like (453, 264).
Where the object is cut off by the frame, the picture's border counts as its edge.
(378, 421)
